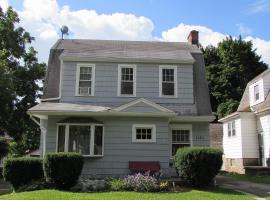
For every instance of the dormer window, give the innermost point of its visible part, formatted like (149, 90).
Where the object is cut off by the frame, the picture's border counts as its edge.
(85, 80)
(256, 93)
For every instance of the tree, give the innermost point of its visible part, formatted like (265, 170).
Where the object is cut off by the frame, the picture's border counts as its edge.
(229, 67)
(19, 76)
(3, 147)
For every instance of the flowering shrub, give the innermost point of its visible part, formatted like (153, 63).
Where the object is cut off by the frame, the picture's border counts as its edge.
(141, 183)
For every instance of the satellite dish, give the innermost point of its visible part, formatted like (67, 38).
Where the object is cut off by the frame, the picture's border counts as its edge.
(64, 30)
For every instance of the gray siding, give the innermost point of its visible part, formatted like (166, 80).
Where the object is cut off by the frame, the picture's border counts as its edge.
(106, 79)
(119, 149)
(141, 107)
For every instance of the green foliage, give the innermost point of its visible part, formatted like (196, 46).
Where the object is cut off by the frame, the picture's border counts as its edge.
(19, 74)
(21, 171)
(3, 147)
(116, 184)
(63, 169)
(198, 165)
(227, 107)
(229, 67)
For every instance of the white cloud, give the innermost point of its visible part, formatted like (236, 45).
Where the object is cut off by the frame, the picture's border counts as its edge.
(243, 29)
(43, 19)
(44, 24)
(206, 35)
(4, 4)
(262, 46)
(259, 6)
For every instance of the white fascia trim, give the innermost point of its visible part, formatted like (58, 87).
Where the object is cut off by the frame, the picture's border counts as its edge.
(174, 67)
(150, 103)
(120, 66)
(192, 119)
(154, 136)
(87, 113)
(93, 66)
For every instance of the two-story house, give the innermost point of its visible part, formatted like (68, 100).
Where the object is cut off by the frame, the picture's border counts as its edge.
(122, 103)
(246, 133)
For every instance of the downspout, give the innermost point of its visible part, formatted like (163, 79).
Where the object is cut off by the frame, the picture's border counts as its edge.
(43, 131)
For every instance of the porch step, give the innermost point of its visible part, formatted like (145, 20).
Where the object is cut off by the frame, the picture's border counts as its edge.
(257, 171)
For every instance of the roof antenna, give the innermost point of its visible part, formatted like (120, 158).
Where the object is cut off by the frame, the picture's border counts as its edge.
(64, 30)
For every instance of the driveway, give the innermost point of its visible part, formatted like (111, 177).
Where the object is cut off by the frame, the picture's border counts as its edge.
(260, 190)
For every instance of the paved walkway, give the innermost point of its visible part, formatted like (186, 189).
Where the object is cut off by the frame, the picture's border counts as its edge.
(256, 189)
(4, 187)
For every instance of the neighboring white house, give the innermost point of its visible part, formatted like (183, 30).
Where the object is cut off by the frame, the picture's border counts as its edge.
(246, 133)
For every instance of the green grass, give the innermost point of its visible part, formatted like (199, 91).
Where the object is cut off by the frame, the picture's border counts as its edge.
(254, 179)
(218, 194)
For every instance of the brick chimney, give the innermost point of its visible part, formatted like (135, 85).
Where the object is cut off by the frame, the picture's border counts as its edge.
(193, 37)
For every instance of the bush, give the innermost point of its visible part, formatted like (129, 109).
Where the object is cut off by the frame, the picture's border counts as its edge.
(141, 183)
(63, 169)
(116, 184)
(21, 171)
(198, 165)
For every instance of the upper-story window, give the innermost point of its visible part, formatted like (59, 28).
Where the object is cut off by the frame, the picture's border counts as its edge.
(85, 80)
(127, 80)
(168, 81)
(231, 129)
(256, 93)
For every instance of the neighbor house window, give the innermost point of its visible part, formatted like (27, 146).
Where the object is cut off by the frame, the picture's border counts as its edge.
(231, 128)
(127, 80)
(256, 93)
(86, 139)
(143, 133)
(180, 138)
(85, 81)
(168, 81)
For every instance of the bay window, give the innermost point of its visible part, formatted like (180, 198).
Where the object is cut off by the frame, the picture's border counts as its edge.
(86, 139)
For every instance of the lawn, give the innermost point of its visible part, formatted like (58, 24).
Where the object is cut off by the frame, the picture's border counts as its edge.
(218, 194)
(254, 179)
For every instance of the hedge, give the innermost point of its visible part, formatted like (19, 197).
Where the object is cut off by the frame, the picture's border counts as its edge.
(198, 166)
(63, 169)
(23, 170)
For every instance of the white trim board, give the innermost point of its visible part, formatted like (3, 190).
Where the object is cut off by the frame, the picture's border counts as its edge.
(142, 100)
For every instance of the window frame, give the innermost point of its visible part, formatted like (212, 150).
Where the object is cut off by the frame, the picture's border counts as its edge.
(93, 66)
(92, 136)
(119, 82)
(147, 126)
(231, 129)
(258, 87)
(174, 67)
(180, 127)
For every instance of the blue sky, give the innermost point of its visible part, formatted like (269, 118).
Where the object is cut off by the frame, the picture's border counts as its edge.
(150, 20)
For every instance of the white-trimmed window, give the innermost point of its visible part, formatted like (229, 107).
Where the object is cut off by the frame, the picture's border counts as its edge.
(231, 128)
(256, 93)
(126, 80)
(167, 81)
(85, 80)
(180, 138)
(87, 139)
(144, 133)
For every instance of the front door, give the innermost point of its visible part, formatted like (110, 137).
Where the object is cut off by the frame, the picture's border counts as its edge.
(261, 149)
